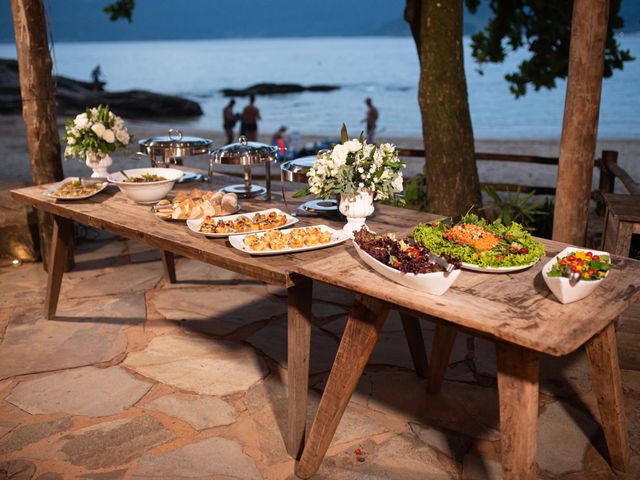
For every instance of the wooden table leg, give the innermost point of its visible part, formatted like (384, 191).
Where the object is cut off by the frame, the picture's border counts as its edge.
(299, 346)
(607, 386)
(60, 244)
(360, 335)
(415, 340)
(443, 340)
(169, 265)
(518, 379)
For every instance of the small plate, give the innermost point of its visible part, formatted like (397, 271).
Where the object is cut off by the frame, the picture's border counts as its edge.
(516, 268)
(237, 242)
(49, 192)
(194, 225)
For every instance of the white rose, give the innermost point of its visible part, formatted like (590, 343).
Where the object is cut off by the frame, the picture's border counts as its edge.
(71, 140)
(339, 155)
(108, 136)
(67, 151)
(122, 136)
(397, 184)
(98, 129)
(81, 120)
(352, 145)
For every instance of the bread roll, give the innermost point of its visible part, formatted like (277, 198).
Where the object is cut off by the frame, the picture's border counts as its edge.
(216, 199)
(229, 203)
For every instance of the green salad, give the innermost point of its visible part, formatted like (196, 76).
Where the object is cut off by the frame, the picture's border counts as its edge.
(478, 242)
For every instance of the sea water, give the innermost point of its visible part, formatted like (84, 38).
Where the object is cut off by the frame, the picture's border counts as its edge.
(384, 68)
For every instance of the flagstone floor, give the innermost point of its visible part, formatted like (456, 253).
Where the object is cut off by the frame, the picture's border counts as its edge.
(141, 379)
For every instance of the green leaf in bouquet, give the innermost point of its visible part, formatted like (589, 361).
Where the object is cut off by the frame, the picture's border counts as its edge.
(344, 136)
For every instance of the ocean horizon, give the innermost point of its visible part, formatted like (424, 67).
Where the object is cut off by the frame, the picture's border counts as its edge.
(383, 68)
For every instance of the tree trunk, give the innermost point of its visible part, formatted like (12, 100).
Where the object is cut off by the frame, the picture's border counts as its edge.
(580, 123)
(450, 168)
(38, 103)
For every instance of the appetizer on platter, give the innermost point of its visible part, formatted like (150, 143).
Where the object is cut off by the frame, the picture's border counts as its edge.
(296, 238)
(482, 245)
(75, 189)
(197, 204)
(243, 223)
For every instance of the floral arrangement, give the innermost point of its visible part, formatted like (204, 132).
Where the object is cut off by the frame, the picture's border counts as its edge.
(95, 134)
(353, 166)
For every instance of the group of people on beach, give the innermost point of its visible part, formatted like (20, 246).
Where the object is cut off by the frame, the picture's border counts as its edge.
(251, 114)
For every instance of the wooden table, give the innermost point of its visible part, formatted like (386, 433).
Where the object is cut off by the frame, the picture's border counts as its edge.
(621, 222)
(517, 311)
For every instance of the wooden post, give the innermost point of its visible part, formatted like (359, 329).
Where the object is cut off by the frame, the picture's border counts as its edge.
(38, 103)
(580, 123)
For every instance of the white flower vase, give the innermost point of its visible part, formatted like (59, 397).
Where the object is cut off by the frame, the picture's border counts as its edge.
(99, 166)
(356, 207)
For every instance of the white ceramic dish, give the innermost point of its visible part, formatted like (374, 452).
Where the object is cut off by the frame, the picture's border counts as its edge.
(194, 225)
(517, 268)
(49, 193)
(237, 241)
(146, 192)
(436, 283)
(562, 288)
(154, 210)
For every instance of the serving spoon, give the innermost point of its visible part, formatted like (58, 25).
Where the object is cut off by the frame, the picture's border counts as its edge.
(125, 175)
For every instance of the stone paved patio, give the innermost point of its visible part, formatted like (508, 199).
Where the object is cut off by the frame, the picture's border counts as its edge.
(145, 380)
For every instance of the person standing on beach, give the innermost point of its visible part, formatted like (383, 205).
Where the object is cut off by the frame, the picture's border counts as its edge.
(96, 73)
(371, 120)
(249, 120)
(229, 120)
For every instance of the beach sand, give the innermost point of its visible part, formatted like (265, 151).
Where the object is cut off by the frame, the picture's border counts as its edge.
(16, 166)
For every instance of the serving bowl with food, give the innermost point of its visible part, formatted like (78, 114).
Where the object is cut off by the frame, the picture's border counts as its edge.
(481, 245)
(253, 222)
(197, 204)
(145, 185)
(406, 262)
(573, 274)
(290, 240)
(75, 188)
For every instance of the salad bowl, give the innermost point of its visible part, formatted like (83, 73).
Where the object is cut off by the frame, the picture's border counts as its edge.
(565, 289)
(148, 191)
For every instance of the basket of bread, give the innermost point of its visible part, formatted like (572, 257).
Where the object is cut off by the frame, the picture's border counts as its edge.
(197, 204)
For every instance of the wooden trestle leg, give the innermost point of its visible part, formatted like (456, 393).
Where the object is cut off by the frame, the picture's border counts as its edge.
(518, 377)
(602, 352)
(169, 265)
(299, 343)
(443, 339)
(415, 340)
(61, 242)
(360, 336)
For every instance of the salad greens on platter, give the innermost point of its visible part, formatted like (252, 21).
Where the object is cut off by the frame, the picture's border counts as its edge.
(478, 242)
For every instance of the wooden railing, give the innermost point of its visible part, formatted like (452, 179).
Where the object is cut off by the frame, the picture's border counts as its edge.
(607, 163)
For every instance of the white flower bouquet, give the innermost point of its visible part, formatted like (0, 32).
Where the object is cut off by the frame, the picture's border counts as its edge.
(95, 134)
(355, 166)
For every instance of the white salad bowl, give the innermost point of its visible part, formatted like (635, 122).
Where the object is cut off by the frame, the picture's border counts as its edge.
(564, 290)
(146, 192)
(435, 283)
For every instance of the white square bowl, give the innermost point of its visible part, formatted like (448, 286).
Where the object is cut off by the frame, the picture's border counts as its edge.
(562, 288)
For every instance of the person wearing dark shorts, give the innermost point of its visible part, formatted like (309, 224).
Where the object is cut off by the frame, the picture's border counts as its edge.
(229, 120)
(249, 120)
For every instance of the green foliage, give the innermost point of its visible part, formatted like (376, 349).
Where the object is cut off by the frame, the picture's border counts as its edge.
(120, 9)
(414, 195)
(519, 208)
(544, 28)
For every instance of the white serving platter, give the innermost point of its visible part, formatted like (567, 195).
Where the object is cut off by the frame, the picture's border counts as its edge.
(435, 283)
(194, 225)
(337, 236)
(516, 268)
(49, 192)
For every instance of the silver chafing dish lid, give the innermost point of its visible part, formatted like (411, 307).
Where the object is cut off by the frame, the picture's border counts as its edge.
(244, 153)
(175, 144)
(296, 170)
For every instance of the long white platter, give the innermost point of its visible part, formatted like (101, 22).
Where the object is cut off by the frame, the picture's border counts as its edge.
(194, 225)
(337, 236)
